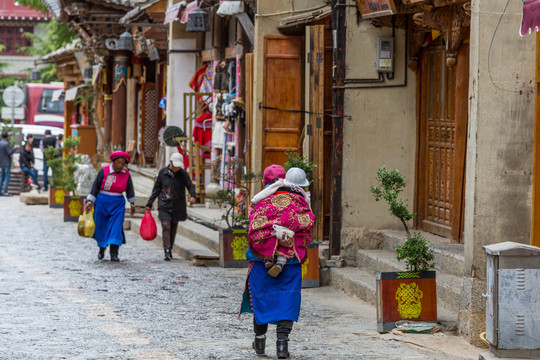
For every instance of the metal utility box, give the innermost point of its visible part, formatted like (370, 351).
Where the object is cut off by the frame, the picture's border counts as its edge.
(513, 300)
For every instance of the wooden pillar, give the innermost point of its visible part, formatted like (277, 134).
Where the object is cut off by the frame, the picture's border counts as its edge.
(118, 129)
(535, 228)
(107, 119)
(338, 26)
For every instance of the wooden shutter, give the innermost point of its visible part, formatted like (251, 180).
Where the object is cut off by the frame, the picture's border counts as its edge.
(282, 83)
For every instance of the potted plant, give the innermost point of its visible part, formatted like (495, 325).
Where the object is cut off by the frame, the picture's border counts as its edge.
(310, 267)
(411, 294)
(53, 157)
(73, 205)
(233, 241)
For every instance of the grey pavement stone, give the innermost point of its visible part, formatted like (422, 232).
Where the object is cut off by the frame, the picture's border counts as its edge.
(58, 301)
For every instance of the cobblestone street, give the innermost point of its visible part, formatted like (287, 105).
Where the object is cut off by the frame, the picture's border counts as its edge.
(58, 301)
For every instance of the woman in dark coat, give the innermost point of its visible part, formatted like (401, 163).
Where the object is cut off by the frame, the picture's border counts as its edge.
(109, 204)
(170, 186)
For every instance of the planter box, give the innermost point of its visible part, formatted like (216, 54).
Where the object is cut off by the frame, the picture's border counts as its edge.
(56, 197)
(73, 207)
(233, 244)
(310, 267)
(405, 295)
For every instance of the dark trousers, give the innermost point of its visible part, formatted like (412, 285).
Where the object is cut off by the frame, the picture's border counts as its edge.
(169, 233)
(284, 328)
(45, 175)
(6, 174)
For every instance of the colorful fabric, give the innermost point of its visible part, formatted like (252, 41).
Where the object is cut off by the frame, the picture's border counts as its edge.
(109, 213)
(120, 154)
(272, 299)
(286, 209)
(114, 182)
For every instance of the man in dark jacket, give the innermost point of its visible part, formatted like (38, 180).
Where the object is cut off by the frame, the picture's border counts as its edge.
(5, 163)
(170, 186)
(26, 161)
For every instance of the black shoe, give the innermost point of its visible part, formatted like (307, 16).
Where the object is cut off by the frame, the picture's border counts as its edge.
(114, 252)
(258, 345)
(282, 348)
(101, 253)
(168, 255)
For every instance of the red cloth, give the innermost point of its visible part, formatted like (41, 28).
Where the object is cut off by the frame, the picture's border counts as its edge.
(186, 157)
(531, 16)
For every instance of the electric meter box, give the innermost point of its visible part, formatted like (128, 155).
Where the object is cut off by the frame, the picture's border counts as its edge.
(385, 54)
(513, 300)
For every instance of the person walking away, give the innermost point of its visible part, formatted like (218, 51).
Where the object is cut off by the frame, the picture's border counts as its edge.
(26, 161)
(48, 140)
(106, 197)
(6, 151)
(170, 189)
(60, 141)
(277, 299)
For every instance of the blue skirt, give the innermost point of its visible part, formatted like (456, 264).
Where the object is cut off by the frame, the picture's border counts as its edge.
(273, 299)
(109, 213)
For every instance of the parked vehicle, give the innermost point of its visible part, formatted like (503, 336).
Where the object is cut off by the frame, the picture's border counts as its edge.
(44, 104)
(38, 131)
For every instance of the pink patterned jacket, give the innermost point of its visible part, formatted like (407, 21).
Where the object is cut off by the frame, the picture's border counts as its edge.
(286, 209)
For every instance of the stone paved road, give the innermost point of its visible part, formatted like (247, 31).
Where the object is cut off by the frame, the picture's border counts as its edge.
(57, 301)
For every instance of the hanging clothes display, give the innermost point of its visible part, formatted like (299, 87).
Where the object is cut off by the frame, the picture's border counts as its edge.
(202, 131)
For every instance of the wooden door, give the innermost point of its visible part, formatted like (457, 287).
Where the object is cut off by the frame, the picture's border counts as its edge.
(319, 61)
(442, 102)
(282, 97)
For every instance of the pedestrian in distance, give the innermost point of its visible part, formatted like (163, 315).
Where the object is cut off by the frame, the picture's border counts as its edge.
(170, 190)
(29, 139)
(107, 199)
(6, 151)
(26, 162)
(276, 298)
(60, 141)
(47, 141)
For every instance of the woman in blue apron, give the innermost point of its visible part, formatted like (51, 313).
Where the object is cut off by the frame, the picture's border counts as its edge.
(110, 205)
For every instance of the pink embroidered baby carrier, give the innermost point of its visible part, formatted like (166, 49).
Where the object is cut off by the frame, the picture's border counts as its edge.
(286, 209)
(114, 182)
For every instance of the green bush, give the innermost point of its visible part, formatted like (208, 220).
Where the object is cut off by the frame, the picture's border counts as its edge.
(295, 160)
(63, 168)
(416, 251)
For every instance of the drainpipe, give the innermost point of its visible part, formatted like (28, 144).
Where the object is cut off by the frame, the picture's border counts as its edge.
(338, 100)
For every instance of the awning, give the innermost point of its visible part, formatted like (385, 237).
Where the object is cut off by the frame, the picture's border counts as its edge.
(57, 94)
(531, 17)
(305, 18)
(173, 13)
(189, 8)
(71, 93)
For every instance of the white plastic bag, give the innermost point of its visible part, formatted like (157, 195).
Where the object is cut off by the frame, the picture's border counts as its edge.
(281, 231)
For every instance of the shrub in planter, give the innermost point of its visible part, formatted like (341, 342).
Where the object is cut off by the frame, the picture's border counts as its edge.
(411, 294)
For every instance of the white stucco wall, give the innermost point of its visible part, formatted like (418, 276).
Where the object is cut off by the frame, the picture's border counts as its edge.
(381, 130)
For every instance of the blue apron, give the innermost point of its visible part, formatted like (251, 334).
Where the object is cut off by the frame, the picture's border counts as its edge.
(109, 213)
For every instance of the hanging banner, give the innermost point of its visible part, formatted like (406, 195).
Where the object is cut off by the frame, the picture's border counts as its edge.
(375, 8)
(530, 19)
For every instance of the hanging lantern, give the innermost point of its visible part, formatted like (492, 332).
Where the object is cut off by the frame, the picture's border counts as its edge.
(35, 75)
(88, 72)
(198, 21)
(125, 42)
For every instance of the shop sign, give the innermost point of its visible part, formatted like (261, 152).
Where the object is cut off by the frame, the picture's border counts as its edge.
(375, 8)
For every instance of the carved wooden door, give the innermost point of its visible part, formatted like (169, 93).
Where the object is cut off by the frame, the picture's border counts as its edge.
(282, 99)
(443, 92)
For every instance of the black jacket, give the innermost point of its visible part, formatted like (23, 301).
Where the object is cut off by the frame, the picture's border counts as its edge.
(170, 187)
(26, 159)
(5, 153)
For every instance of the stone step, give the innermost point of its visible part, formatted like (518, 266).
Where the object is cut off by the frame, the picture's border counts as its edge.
(449, 286)
(207, 237)
(361, 284)
(183, 246)
(449, 257)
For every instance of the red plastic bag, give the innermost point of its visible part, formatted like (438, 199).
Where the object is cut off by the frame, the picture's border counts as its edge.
(148, 229)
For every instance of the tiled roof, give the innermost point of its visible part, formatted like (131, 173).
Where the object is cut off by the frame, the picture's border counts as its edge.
(10, 11)
(64, 50)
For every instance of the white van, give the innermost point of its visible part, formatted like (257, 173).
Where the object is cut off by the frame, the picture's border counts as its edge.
(38, 131)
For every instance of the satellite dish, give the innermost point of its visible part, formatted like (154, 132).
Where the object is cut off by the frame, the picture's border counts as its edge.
(173, 135)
